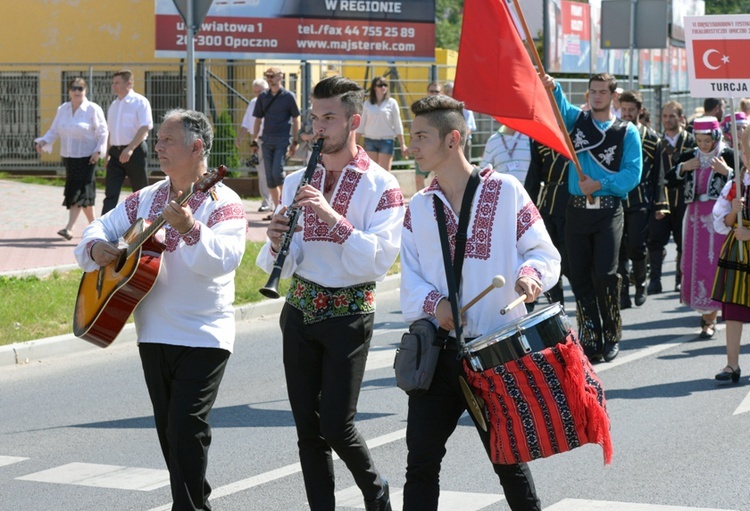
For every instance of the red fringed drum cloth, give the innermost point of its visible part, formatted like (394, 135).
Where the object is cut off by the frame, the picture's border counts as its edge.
(543, 403)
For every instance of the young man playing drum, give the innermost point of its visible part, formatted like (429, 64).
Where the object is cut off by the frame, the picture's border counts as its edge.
(506, 236)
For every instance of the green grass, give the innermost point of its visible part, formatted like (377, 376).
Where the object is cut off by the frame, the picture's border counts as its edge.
(35, 308)
(34, 180)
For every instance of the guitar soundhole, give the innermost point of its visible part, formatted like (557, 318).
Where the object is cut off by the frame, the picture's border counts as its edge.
(121, 261)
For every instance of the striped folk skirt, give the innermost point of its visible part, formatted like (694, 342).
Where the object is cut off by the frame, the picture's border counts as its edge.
(732, 281)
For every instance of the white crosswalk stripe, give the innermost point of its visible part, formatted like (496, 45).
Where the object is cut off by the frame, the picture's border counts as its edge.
(604, 505)
(449, 500)
(9, 460)
(102, 476)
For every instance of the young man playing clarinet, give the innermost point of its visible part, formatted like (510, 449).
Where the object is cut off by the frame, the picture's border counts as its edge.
(506, 236)
(347, 239)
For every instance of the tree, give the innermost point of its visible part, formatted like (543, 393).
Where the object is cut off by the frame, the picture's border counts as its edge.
(727, 6)
(224, 152)
(448, 17)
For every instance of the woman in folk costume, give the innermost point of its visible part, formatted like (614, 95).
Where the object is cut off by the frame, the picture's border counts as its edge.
(732, 284)
(740, 119)
(703, 172)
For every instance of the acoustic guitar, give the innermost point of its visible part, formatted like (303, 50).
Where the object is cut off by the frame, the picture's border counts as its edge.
(108, 296)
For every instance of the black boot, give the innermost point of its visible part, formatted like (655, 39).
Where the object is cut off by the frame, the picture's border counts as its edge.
(639, 276)
(608, 291)
(589, 328)
(656, 259)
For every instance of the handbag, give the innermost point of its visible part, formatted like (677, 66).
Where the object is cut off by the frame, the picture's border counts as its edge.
(418, 352)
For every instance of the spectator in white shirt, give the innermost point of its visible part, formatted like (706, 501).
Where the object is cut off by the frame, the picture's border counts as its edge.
(129, 121)
(248, 127)
(381, 123)
(82, 130)
(508, 151)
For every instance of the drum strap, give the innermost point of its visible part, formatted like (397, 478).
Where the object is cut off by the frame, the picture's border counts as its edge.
(453, 271)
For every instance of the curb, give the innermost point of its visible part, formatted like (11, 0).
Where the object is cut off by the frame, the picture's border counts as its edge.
(41, 349)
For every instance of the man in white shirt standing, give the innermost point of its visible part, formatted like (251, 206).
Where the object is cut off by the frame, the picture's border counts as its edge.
(129, 121)
(508, 151)
(248, 127)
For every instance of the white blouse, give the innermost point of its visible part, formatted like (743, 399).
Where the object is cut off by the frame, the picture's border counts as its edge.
(381, 121)
(723, 206)
(81, 133)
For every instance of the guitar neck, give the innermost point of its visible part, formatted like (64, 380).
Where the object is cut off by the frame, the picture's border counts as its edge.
(157, 224)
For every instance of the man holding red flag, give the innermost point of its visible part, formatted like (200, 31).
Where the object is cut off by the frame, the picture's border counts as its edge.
(609, 151)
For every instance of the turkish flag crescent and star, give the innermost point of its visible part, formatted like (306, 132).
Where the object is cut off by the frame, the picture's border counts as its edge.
(725, 59)
(495, 76)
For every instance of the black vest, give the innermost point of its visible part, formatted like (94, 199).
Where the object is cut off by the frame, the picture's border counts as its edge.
(605, 146)
(671, 199)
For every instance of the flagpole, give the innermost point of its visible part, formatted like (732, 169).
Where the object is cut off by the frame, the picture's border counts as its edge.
(737, 163)
(550, 96)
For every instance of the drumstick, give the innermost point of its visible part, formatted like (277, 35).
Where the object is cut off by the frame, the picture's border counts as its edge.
(497, 281)
(512, 304)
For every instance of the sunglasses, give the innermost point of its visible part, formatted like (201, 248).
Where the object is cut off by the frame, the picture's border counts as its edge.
(269, 75)
(77, 88)
(382, 85)
(434, 91)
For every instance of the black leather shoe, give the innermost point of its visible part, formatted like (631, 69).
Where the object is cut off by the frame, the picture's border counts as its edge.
(677, 286)
(625, 302)
(382, 503)
(640, 295)
(654, 287)
(611, 349)
(594, 355)
(728, 373)
(707, 329)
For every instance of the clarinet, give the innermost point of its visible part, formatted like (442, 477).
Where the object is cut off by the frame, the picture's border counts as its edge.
(270, 290)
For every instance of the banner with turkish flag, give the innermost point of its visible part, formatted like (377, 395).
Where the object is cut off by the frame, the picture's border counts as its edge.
(718, 49)
(495, 75)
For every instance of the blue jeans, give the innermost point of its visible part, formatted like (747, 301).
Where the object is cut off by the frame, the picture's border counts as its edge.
(382, 146)
(273, 160)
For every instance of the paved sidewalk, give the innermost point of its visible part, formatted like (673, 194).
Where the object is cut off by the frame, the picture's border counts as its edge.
(31, 215)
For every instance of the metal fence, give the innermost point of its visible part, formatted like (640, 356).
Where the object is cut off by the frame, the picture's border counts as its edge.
(30, 95)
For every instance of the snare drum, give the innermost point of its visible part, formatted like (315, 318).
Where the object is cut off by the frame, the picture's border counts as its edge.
(533, 332)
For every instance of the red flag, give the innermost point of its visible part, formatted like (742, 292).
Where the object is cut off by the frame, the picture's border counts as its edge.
(495, 75)
(721, 58)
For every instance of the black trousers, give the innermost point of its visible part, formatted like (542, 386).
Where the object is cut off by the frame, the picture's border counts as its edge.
(134, 169)
(660, 230)
(324, 364)
(658, 237)
(592, 239)
(633, 246)
(432, 418)
(183, 383)
(555, 225)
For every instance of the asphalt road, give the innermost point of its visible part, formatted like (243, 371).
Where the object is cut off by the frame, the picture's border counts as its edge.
(76, 430)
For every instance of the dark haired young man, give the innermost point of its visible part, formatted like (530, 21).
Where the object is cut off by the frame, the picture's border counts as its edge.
(638, 206)
(609, 151)
(506, 236)
(347, 238)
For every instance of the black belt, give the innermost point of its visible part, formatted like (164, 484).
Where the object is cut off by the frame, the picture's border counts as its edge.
(601, 202)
